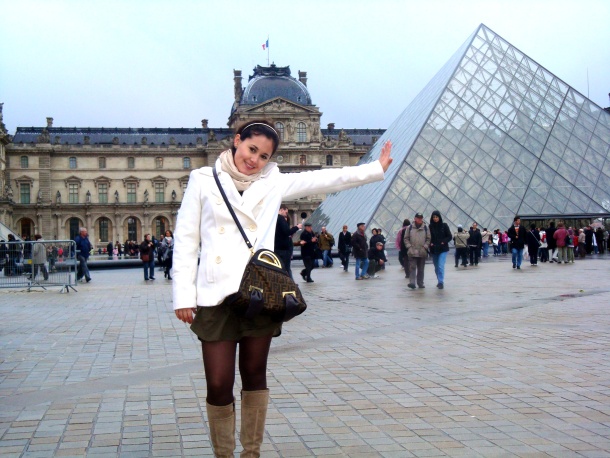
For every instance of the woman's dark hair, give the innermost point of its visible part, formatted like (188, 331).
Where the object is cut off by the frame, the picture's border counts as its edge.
(171, 234)
(258, 127)
(406, 222)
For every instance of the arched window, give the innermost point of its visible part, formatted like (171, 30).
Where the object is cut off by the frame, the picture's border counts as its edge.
(302, 159)
(132, 229)
(329, 159)
(160, 226)
(301, 132)
(74, 227)
(280, 130)
(104, 225)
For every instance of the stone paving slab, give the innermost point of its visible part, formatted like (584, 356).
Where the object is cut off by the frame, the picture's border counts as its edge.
(501, 363)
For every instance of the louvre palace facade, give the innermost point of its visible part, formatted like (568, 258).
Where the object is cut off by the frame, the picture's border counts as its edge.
(121, 183)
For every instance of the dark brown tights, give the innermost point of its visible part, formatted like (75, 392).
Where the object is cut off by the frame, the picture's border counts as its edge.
(219, 367)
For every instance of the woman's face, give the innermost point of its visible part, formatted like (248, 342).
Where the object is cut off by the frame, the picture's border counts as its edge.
(252, 154)
(168, 234)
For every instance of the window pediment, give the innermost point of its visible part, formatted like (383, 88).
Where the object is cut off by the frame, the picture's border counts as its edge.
(24, 179)
(131, 179)
(159, 179)
(101, 179)
(73, 180)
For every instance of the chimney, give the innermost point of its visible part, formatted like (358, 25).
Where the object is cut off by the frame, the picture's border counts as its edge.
(303, 77)
(204, 123)
(237, 81)
(49, 123)
(331, 126)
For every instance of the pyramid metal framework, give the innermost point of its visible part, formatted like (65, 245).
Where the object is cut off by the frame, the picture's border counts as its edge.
(492, 135)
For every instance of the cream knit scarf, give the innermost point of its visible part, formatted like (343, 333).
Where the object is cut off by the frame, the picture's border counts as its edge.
(242, 181)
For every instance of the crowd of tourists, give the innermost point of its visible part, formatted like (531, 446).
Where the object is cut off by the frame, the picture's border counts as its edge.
(417, 241)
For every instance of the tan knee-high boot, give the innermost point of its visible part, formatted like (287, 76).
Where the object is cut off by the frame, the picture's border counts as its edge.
(253, 416)
(221, 420)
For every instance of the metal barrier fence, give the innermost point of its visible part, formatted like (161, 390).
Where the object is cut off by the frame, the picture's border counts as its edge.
(38, 264)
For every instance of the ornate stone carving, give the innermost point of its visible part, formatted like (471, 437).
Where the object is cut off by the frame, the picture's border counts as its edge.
(88, 197)
(116, 197)
(87, 140)
(58, 198)
(115, 141)
(172, 141)
(44, 137)
(144, 141)
(211, 136)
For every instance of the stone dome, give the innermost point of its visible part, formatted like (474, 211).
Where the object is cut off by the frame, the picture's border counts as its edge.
(270, 82)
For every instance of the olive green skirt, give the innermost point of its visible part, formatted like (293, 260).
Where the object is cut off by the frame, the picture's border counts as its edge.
(212, 324)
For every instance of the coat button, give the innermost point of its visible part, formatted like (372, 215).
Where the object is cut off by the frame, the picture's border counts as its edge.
(218, 259)
(221, 230)
(252, 227)
(219, 201)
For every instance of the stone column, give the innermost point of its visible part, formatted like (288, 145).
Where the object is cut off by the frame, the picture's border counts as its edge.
(59, 232)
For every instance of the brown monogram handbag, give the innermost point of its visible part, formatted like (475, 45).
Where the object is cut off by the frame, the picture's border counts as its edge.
(265, 288)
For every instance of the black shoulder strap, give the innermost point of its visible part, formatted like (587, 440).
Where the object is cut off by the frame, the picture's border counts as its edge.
(224, 196)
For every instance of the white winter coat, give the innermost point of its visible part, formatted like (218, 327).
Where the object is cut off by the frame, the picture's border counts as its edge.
(204, 219)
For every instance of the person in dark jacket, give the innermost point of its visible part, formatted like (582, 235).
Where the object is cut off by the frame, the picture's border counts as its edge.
(345, 246)
(440, 236)
(551, 242)
(376, 237)
(377, 260)
(309, 242)
(533, 244)
(403, 257)
(147, 255)
(475, 243)
(83, 247)
(517, 242)
(283, 238)
(360, 248)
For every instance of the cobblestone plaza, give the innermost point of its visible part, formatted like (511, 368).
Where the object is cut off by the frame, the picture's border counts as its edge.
(500, 363)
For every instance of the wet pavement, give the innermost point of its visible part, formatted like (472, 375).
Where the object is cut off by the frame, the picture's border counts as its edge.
(500, 363)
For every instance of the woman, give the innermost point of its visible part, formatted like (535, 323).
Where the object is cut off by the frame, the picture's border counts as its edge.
(533, 244)
(256, 188)
(39, 258)
(167, 253)
(496, 242)
(460, 238)
(440, 236)
(147, 255)
(582, 243)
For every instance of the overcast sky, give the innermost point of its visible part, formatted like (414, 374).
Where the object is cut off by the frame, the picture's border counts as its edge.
(154, 63)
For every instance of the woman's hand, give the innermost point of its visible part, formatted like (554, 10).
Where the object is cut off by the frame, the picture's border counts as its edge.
(385, 160)
(185, 315)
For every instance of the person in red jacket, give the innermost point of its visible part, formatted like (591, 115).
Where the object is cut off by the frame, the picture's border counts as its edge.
(560, 235)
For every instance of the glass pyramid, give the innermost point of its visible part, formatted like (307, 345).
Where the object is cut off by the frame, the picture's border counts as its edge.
(492, 135)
